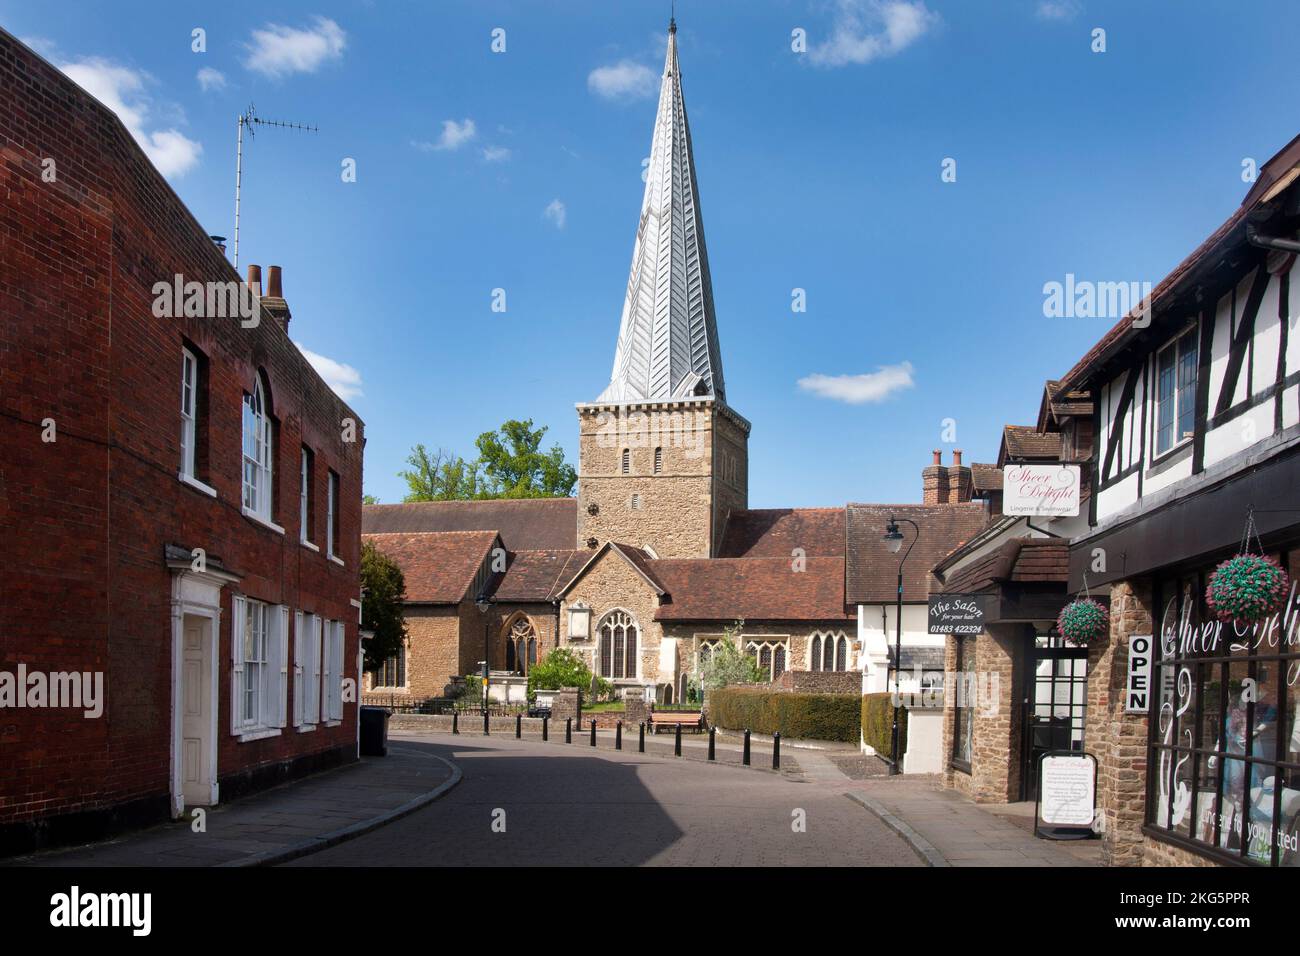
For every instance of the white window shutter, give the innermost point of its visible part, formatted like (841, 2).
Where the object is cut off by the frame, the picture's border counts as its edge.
(313, 706)
(299, 645)
(281, 640)
(238, 613)
(336, 668)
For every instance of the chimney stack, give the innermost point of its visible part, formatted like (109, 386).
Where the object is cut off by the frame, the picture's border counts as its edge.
(273, 302)
(255, 279)
(960, 483)
(934, 482)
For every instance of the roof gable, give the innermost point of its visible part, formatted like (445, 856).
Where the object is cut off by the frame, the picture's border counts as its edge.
(439, 567)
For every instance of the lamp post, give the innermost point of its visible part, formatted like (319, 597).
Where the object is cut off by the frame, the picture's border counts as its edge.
(893, 539)
(483, 606)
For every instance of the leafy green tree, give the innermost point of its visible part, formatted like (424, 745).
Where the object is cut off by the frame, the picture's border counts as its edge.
(510, 465)
(383, 592)
(728, 664)
(514, 467)
(369, 500)
(560, 668)
(440, 476)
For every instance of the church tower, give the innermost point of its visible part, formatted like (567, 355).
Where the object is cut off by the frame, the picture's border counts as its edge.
(662, 458)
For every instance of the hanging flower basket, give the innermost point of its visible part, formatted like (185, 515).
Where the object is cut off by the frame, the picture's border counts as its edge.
(1246, 589)
(1083, 620)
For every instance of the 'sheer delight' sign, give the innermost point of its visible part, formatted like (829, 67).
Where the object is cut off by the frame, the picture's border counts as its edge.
(1041, 491)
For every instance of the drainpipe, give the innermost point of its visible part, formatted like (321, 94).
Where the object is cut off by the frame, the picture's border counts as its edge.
(1270, 242)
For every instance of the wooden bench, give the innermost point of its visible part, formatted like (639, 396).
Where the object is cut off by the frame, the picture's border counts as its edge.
(692, 721)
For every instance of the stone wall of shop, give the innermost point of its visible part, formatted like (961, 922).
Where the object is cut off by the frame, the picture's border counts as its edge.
(995, 749)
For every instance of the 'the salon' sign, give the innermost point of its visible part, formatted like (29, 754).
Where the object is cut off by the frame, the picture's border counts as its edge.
(956, 613)
(1040, 491)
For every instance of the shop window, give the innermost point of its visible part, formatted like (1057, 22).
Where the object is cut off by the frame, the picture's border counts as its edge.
(963, 726)
(1224, 774)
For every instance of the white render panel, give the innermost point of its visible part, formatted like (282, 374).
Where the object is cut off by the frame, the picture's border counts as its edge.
(1239, 434)
(1267, 339)
(1117, 497)
(668, 337)
(1172, 475)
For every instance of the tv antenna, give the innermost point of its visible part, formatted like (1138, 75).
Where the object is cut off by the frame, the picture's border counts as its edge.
(251, 120)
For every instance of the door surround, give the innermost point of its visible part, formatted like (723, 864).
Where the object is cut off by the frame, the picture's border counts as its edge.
(194, 594)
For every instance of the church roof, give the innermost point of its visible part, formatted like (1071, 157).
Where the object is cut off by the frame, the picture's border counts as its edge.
(668, 336)
(536, 576)
(525, 524)
(752, 589)
(776, 532)
(438, 566)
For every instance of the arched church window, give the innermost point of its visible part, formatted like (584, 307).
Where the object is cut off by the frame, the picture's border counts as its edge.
(778, 661)
(828, 654)
(659, 460)
(627, 461)
(817, 653)
(618, 645)
(841, 654)
(521, 646)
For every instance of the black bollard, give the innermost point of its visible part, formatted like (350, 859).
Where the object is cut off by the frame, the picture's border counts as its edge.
(677, 744)
(745, 758)
(485, 724)
(618, 735)
(776, 750)
(711, 730)
(545, 729)
(641, 741)
(519, 726)
(568, 730)
(593, 733)
(455, 722)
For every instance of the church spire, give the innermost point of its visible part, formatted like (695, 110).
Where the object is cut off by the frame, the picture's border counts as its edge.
(668, 337)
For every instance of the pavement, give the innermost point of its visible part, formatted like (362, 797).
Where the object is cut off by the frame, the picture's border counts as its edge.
(465, 800)
(280, 824)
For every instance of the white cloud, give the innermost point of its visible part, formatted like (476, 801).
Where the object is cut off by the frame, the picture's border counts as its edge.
(122, 90)
(867, 30)
(857, 389)
(1058, 9)
(555, 213)
(454, 136)
(210, 79)
(496, 154)
(343, 379)
(277, 51)
(624, 80)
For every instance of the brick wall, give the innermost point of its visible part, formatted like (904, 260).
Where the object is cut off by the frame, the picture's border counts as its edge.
(84, 519)
(821, 682)
(995, 766)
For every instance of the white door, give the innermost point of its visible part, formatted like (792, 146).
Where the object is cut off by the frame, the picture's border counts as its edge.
(196, 712)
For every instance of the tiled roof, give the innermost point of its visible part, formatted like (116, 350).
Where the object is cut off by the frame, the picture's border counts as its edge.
(873, 571)
(928, 658)
(537, 575)
(985, 477)
(1045, 560)
(525, 524)
(776, 532)
(439, 566)
(1025, 442)
(752, 589)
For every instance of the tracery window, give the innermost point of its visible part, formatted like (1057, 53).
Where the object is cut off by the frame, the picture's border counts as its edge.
(618, 645)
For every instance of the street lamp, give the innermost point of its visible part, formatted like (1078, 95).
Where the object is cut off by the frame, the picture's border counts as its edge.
(893, 539)
(484, 606)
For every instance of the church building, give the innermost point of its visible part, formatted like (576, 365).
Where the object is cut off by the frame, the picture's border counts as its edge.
(659, 554)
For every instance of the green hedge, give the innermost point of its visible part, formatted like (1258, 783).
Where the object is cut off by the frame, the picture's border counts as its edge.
(878, 722)
(798, 716)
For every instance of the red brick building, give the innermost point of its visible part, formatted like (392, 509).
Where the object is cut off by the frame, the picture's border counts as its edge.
(180, 496)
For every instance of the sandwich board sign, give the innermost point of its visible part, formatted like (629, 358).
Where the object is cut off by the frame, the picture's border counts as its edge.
(1067, 795)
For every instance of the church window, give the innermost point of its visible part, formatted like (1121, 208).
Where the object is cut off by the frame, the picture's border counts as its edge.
(769, 656)
(618, 646)
(627, 461)
(817, 653)
(659, 460)
(521, 646)
(636, 502)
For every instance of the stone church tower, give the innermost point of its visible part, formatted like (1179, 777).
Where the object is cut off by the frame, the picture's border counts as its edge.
(662, 458)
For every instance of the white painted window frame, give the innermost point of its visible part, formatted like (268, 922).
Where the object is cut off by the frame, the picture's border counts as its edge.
(189, 412)
(266, 682)
(257, 471)
(1172, 343)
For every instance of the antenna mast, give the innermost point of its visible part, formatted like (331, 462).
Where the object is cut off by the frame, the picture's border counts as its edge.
(250, 119)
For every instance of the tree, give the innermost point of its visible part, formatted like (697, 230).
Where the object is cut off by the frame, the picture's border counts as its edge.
(383, 592)
(728, 664)
(514, 468)
(510, 465)
(369, 500)
(560, 668)
(441, 476)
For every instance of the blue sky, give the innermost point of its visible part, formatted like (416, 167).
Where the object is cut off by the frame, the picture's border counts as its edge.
(818, 170)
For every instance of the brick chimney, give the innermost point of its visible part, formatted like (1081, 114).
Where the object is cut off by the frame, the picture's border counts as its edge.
(273, 302)
(934, 482)
(960, 483)
(255, 280)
